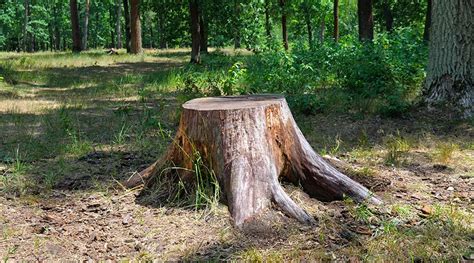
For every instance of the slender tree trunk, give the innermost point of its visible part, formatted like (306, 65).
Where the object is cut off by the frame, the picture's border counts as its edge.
(26, 39)
(126, 14)
(203, 27)
(135, 28)
(268, 24)
(284, 30)
(366, 20)
(388, 16)
(112, 28)
(86, 25)
(118, 29)
(336, 20)
(450, 69)
(237, 24)
(322, 31)
(195, 32)
(76, 32)
(426, 33)
(161, 31)
(309, 27)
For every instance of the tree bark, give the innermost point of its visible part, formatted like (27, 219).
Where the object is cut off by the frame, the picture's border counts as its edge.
(388, 16)
(426, 32)
(195, 32)
(237, 24)
(284, 29)
(203, 31)
(366, 20)
(76, 32)
(135, 28)
(450, 69)
(26, 39)
(118, 29)
(126, 14)
(268, 25)
(336, 20)
(250, 142)
(86, 25)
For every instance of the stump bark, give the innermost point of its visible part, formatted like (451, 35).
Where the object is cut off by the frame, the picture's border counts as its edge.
(251, 142)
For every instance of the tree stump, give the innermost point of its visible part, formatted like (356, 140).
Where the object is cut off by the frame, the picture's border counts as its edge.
(251, 142)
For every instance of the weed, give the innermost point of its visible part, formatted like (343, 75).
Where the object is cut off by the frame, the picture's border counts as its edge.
(397, 147)
(444, 152)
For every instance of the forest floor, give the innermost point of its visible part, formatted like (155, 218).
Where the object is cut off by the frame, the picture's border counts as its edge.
(72, 127)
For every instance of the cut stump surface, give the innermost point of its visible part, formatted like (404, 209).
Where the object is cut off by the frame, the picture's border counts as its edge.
(250, 142)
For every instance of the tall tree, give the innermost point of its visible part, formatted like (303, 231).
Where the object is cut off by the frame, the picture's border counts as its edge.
(118, 29)
(135, 28)
(268, 23)
(366, 20)
(309, 26)
(336, 20)
(237, 24)
(388, 15)
(426, 33)
(284, 29)
(86, 24)
(126, 14)
(76, 32)
(450, 69)
(195, 32)
(203, 32)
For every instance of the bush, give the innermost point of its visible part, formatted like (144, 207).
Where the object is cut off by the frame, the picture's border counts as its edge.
(381, 77)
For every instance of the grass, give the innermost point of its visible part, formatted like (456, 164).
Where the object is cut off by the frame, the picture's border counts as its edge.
(80, 123)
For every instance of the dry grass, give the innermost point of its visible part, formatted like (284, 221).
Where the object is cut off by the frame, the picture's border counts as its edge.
(72, 126)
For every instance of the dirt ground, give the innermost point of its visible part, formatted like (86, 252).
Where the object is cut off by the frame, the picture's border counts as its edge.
(66, 144)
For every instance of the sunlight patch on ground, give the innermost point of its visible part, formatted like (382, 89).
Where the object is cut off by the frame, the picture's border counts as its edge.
(27, 106)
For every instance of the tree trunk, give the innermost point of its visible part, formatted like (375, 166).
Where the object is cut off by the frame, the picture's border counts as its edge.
(112, 28)
(336, 20)
(426, 33)
(237, 24)
(268, 25)
(118, 29)
(388, 16)
(250, 142)
(203, 31)
(366, 20)
(76, 32)
(86, 25)
(450, 69)
(284, 30)
(195, 32)
(26, 39)
(135, 28)
(126, 14)
(323, 29)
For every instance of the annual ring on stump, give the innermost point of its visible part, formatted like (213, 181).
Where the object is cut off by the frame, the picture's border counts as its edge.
(250, 143)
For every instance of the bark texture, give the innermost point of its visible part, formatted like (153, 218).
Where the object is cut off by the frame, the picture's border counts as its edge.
(336, 20)
(284, 29)
(450, 68)
(366, 20)
(85, 30)
(251, 142)
(135, 28)
(76, 32)
(426, 32)
(118, 29)
(126, 14)
(203, 28)
(195, 32)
